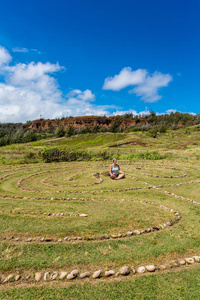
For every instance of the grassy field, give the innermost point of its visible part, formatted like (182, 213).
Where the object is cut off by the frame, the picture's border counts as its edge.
(86, 217)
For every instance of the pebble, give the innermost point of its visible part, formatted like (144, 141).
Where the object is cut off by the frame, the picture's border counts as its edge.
(197, 258)
(125, 270)
(163, 267)
(83, 215)
(141, 270)
(182, 262)
(96, 274)
(189, 260)
(109, 273)
(54, 275)
(17, 277)
(85, 274)
(38, 276)
(63, 274)
(136, 232)
(46, 275)
(8, 278)
(150, 268)
(70, 276)
(75, 273)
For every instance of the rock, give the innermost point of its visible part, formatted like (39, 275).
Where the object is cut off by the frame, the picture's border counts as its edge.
(29, 240)
(8, 278)
(59, 241)
(46, 275)
(156, 228)
(134, 271)
(54, 275)
(114, 236)
(83, 215)
(136, 232)
(163, 267)
(197, 258)
(17, 277)
(189, 260)
(75, 273)
(66, 238)
(182, 262)
(70, 276)
(38, 276)
(129, 233)
(109, 273)
(141, 270)
(125, 270)
(85, 274)
(63, 274)
(96, 274)
(150, 268)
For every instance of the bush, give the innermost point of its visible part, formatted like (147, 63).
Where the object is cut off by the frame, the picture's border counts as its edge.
(60, 132)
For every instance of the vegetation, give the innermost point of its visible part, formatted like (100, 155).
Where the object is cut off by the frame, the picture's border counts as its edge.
(74, 181)
(12, 133)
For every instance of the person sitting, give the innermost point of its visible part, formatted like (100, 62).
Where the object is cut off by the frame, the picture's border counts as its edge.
(115, 172)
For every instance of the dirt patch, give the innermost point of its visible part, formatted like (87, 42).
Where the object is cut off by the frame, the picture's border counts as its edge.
(135, 143)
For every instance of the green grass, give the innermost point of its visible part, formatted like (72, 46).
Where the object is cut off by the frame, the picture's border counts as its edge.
(39, 187)
(173, 285)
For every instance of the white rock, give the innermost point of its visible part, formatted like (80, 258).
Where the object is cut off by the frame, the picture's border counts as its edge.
(54, 275)
(38, 276)
(8, 278)
(63, 274)
(141, 270)
(189, 260)
(125, 270)
(96, 274)
(85, 274)
(46, 275)
(150, 268)
(109, 273)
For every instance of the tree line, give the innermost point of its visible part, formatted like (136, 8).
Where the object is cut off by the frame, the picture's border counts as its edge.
(11, 133)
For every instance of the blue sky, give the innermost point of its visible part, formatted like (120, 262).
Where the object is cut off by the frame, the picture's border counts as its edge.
(91, 57)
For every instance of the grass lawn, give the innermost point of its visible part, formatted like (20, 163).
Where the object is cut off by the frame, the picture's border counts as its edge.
(45, 200)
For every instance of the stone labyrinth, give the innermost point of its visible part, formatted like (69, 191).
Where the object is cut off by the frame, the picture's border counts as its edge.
(77, 203)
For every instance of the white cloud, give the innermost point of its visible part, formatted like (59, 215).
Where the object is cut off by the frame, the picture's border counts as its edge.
(125, 78)
(146, 86)
(18, 49)
(134, 112)
(148, 90)
(31, 90)
(169, 111)
(25, 50)
(5, 57)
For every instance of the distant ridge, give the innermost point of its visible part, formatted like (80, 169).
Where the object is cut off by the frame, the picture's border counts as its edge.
(86, 121)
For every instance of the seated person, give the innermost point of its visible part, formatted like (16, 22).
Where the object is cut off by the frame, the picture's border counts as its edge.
(115, 172)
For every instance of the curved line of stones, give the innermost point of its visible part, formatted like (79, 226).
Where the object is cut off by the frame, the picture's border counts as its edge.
(71, 178)
(158, 176)
(118, 190)
(123, 271)
(46, 214)
(147, 186)
(113, 236)
(19, 183)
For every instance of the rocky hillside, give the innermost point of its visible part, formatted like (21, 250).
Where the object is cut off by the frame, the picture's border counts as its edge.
(83, 122)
